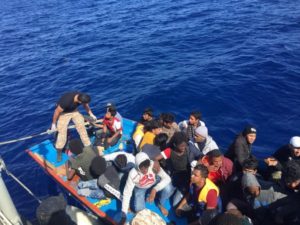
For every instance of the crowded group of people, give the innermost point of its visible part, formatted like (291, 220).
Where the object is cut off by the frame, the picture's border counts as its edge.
(181, 163)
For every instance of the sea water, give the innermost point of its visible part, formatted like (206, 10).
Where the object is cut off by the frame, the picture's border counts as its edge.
(235, 61)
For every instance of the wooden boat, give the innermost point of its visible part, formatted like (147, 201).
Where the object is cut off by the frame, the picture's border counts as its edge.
(108, 210)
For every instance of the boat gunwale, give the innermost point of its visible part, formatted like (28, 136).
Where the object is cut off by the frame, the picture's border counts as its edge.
(48, 169)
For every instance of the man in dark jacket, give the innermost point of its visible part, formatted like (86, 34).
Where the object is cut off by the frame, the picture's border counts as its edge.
(282, 156)
(240, 149)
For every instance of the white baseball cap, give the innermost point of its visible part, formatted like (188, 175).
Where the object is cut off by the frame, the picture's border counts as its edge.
(295, 142)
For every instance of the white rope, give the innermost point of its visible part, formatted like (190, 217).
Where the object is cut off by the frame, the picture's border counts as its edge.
(25, 138)
(22, 185)
(4, 220)
(40, 134)
(3, 167)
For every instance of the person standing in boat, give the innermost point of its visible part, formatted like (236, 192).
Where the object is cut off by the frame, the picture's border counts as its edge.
(66, 110)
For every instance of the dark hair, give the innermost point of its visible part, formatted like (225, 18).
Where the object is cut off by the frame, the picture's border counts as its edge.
(147, 126)
(155, 124)
(76, 146)
(98, 166)
(148, 111)
(214, 154)
(251, 163)
(112, 111)
(196, 114)
(84, 98)
(203, 169)
(226, 219)
(51, 211)
(167, 117)
(120, 161)
(161, 141)
(292, 172)
(177, 139)
(145, 164)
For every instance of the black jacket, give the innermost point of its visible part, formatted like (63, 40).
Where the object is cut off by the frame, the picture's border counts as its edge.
(238, 151)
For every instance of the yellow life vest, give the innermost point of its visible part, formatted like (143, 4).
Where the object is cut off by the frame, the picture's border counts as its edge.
(147, 139)
(138, 133)
(207, 187)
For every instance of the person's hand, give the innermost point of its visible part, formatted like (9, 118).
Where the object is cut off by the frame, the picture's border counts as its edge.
(52, 129)
(271, 161)
(156, 166)
(93, 116)
(109, 140)
(178, 212)
(152, 195)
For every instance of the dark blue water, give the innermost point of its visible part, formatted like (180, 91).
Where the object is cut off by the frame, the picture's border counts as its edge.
(235, 61)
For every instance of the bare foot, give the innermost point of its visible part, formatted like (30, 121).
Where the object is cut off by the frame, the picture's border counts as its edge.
(163, 210)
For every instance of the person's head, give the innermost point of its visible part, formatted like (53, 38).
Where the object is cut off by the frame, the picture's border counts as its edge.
(250, 165)
(111, 112)
(295, 146)
(226, 219)
(249, 133)
(161, 141)
(76, 146)
(120, 161)
(194, 118)
(52, 211)
(147, 126)
(167, 120)
(179, 142)
(250, 184)
(201, 133)
(148, 114)
(213, 160)
(110, 105)
(199, 174)
(98, 166)
(292, 175)
(84, 98)
(155, 127)
(142, 162)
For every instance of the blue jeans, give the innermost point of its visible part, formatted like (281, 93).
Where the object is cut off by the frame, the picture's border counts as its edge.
(140, 194)
(90, 189)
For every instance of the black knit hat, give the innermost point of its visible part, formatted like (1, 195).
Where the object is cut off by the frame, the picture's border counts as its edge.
(249, 130)
(120, 161)
(98, 166)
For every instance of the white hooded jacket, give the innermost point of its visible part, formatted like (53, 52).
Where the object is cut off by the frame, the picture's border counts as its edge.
(137, 179)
